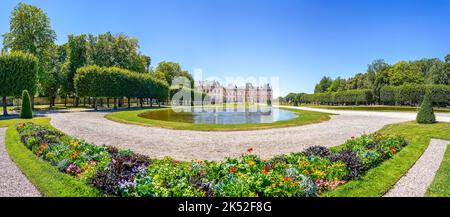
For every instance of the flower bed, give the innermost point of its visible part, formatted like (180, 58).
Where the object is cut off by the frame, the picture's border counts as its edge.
(124, 173)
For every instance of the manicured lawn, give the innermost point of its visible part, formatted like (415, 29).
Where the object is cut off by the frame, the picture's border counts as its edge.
(441, 183)
(132, 117)
(48, 180)
(13, 121)
(378, 181)
(376, 108)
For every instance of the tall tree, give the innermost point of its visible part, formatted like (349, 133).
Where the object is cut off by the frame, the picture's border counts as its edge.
(405, 73)
(378, 69)
(169, 70)
(30, 32)
(323, 85)
(117, 50)
(337, 85)
(437, 74)
(77, 53)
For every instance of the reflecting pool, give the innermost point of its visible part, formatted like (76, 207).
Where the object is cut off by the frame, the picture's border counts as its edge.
(222, 115)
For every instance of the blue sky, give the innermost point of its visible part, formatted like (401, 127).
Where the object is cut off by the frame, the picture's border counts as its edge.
(297, 41)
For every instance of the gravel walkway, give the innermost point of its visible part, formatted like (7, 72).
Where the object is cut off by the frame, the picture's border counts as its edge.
(420, 176)
(187, 145)
(12, 182)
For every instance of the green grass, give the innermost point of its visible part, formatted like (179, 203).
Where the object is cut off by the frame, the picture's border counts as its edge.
(379, 108)
(377, 181)
(440, 187)
(132, 117)
(48, 180)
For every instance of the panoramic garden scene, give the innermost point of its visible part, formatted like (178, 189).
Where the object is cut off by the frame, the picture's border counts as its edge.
(93, 111)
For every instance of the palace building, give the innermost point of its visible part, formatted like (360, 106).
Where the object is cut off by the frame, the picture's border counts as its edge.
(234, 94)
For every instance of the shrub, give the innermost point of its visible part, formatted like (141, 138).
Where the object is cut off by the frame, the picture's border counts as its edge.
(426, 113)
(26, 111)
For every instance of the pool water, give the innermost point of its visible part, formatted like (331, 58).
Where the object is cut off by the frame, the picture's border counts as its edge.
(222, 116)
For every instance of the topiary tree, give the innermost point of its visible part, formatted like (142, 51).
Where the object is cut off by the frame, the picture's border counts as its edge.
(426, 113)
(26, 111)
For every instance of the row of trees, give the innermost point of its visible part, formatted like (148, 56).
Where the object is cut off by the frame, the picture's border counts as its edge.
(31, 32)
(113, 82)
(409, 94)
(412, 94)
(345, 97)
(381, 80)
(18, 72)
(380, 74)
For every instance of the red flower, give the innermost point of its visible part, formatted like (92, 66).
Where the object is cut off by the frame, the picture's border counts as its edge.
(249, 150)
(353, 137)
(233, 169)
(287, 179)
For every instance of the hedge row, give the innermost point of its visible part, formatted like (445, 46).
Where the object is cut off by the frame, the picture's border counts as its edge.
(347, 97)
(18, 72)
(413, 94)
(113, 82)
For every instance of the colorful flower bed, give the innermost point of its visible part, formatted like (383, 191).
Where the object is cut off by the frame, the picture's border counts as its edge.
(124, 173)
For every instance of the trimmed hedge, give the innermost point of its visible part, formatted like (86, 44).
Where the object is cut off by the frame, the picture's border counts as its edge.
(95, 81)
(347, 97)
(414, 93)
(18, 72)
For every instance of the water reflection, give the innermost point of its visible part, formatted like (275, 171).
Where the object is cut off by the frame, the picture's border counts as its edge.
(222, 116)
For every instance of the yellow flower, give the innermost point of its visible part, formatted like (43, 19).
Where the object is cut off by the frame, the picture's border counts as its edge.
(74, 144)
(251, 163)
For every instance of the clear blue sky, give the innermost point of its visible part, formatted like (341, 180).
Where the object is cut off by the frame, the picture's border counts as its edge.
(298, 41)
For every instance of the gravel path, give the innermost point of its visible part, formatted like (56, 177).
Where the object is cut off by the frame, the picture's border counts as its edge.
(12, 182)
(420, 176)
(187, 145)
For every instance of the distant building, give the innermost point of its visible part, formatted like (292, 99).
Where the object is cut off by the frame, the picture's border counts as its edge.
(234, 94)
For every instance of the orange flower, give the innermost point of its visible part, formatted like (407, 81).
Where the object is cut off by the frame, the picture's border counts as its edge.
(264, 169)
(233, 169)
(393, 150)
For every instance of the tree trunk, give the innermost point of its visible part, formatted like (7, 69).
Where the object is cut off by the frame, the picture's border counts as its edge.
(107, 102)
(151, 102)
(95, 104)
(141, 102)
(65, 101)
(5, 109)
(50, 99)
(129, 101)
(101, 102)
(115, 103)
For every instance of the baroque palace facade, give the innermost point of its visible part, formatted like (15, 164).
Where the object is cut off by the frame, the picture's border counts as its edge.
(234, 94)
